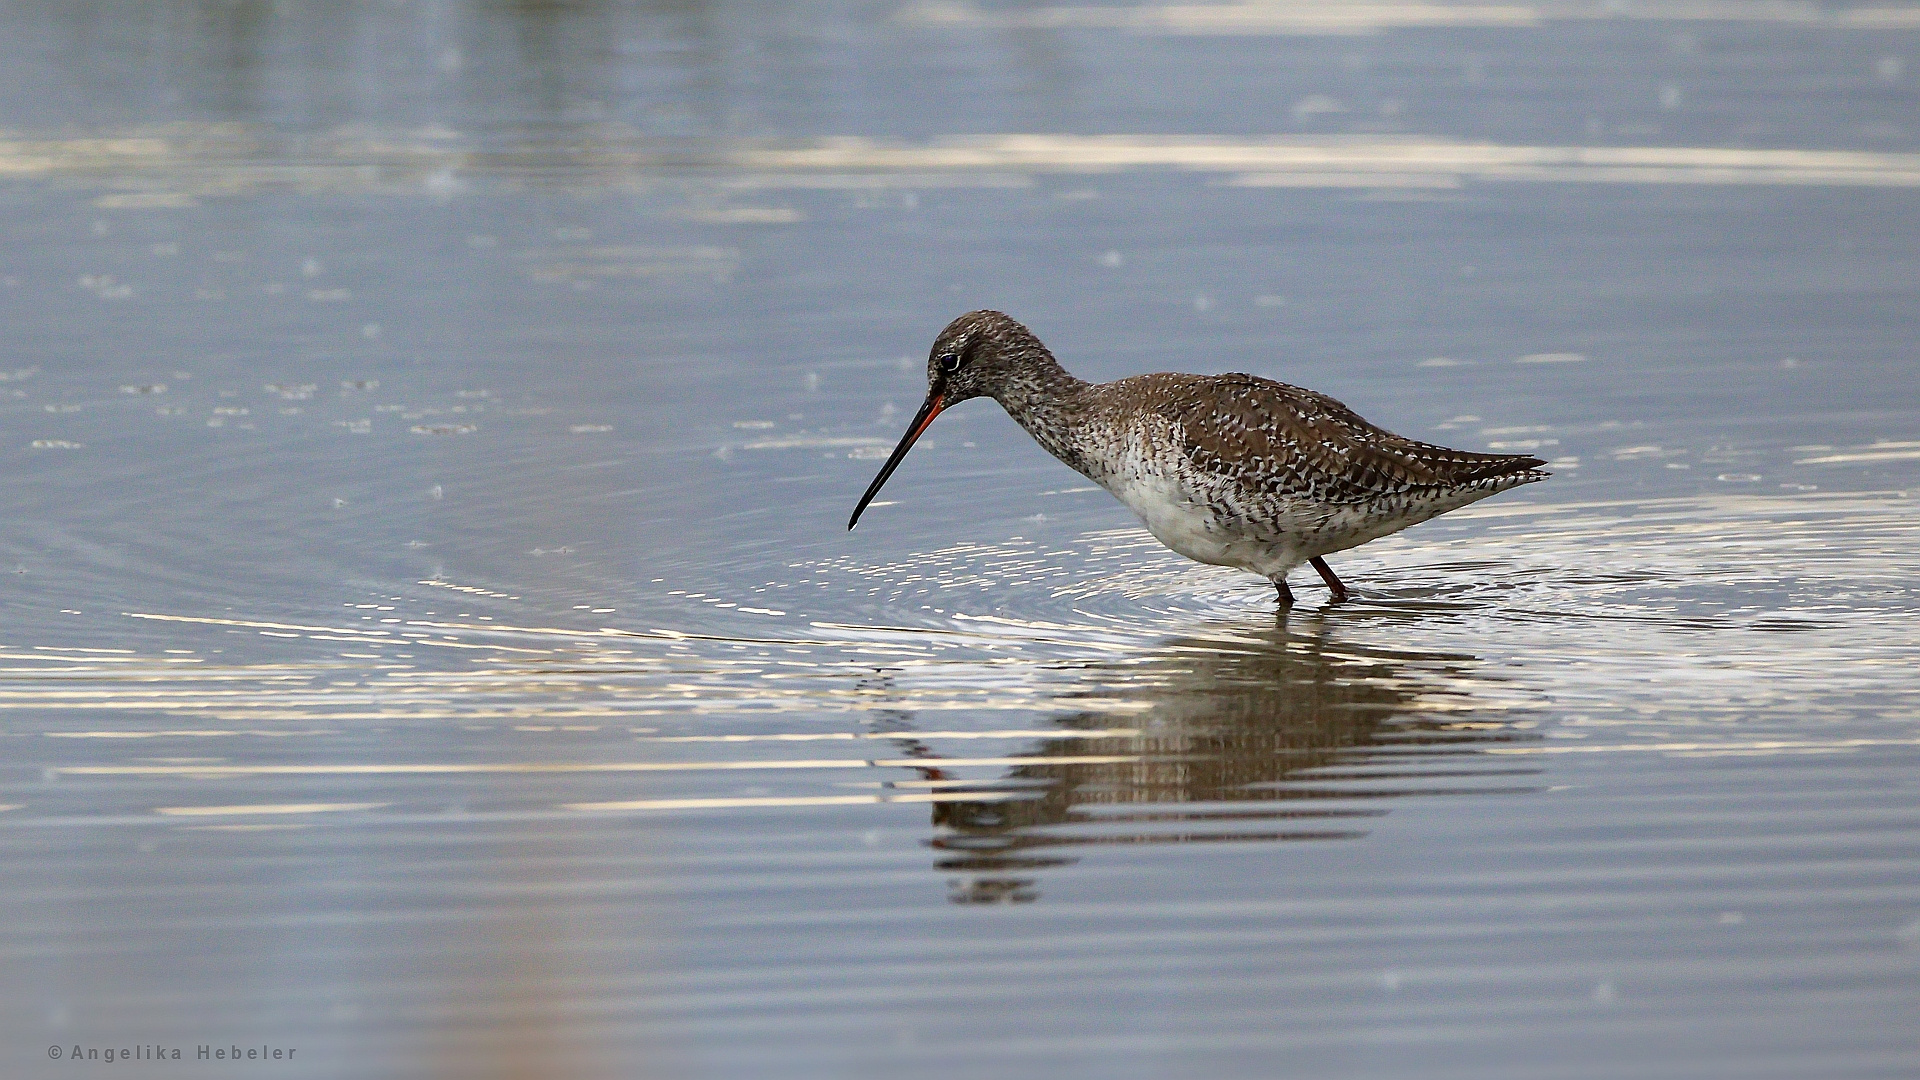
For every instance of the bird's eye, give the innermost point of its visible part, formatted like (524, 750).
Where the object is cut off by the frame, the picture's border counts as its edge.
(951, 363)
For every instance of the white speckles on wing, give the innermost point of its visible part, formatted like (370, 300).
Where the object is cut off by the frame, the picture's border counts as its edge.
(1241, 471)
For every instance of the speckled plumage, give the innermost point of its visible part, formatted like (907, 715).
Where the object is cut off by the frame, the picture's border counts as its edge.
(1233, 470)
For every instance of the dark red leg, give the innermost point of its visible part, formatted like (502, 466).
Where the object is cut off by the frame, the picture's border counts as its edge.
(1286, 594)
(1326, 574)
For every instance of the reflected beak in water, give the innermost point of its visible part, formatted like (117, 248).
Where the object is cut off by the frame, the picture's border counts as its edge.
(936, 400)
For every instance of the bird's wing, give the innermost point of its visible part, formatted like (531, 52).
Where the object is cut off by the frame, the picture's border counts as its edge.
(1277, 439)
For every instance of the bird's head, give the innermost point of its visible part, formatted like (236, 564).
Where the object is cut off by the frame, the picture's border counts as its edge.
(979, 354)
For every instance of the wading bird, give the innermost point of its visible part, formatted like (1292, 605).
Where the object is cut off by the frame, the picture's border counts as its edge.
(1230, 470)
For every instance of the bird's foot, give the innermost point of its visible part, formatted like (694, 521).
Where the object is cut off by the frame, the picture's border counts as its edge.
(1286, 595)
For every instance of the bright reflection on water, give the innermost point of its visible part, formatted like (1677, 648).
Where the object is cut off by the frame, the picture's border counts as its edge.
(429, 639)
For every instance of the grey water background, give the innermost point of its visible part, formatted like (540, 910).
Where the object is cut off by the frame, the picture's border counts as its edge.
(429, 640)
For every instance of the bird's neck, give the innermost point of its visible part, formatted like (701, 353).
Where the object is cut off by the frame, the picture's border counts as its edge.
(1045, 398)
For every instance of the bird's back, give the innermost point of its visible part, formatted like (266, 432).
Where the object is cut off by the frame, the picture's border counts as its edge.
(1272, 463)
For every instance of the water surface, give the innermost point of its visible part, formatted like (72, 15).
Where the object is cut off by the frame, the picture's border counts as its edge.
(430, 639)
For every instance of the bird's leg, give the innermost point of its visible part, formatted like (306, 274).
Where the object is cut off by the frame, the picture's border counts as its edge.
(1286, 594)
(1326, 574)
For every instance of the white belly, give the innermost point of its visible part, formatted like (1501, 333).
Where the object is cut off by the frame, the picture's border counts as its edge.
(1205, 535)
(1275, 537)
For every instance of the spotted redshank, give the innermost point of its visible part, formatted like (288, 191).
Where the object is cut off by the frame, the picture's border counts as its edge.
(1231, 470)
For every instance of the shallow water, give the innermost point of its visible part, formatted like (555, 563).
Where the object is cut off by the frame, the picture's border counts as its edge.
(431, 642)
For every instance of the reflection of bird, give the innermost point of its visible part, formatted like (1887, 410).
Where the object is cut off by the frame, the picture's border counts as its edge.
(1232, 470)
(1243, 741)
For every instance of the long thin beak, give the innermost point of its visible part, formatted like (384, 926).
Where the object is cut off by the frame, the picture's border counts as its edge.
(935, 402)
